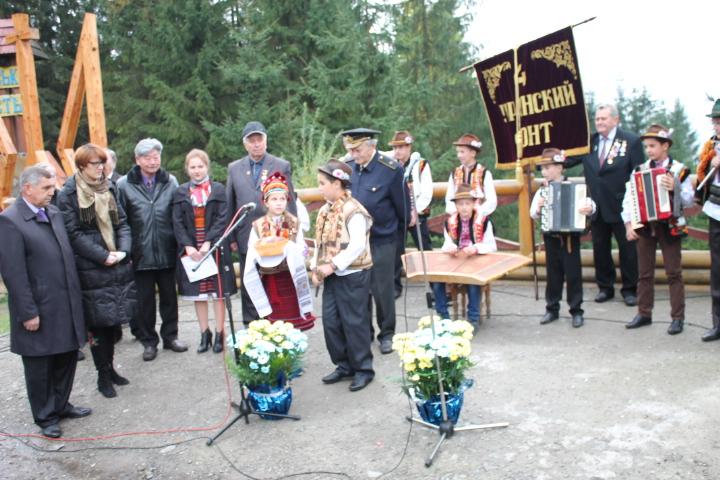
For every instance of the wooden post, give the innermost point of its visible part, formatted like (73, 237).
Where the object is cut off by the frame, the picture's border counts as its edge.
(32, 125)
(86, 81)
(8, 160)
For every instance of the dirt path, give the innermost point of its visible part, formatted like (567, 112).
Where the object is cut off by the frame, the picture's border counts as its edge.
(598, 402)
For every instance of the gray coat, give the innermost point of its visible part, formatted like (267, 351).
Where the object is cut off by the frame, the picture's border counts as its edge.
(242, 190)
(149, 215)
(38, 267)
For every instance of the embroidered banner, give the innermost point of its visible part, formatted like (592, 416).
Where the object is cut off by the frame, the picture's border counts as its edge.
(551, 101)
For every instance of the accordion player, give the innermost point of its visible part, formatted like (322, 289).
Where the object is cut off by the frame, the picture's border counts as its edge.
(560, 213)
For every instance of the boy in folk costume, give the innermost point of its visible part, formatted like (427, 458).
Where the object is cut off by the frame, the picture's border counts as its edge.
(470, 172)
(668, 234)
(281, 291)
(709, 198)
(468, 232)
(562, 250)
(342, 263)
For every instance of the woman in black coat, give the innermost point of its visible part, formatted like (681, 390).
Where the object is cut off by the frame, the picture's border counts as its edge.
(101, 239)
(200, 216)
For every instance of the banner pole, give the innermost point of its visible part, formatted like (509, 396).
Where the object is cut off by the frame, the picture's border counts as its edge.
(525, 221)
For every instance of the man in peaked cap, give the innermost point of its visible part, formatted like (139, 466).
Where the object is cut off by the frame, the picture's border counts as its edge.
(377, 183)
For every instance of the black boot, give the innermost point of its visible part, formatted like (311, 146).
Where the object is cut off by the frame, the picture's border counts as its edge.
(105, 384)
(116, 378)
(205, 341)
(219, 340)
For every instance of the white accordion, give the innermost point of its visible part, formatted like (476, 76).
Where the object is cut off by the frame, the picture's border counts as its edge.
(560, 212)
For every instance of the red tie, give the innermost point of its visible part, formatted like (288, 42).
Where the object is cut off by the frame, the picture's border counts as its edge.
(603, 153)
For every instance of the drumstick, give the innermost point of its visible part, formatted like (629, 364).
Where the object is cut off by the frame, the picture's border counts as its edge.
(707, 177)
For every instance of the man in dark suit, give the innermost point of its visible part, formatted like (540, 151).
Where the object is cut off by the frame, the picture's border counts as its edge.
(614, 153)
(245, 176)
(46, 320)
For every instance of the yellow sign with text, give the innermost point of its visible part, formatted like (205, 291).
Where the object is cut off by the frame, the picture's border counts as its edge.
(10, 105)
(9, 77)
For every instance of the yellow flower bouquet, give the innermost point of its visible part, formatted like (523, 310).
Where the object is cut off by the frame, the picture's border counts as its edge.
(417, 351)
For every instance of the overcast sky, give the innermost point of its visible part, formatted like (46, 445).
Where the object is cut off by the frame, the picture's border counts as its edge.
(672, 48)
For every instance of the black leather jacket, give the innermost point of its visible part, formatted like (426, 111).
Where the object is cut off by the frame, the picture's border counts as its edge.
(149, 215)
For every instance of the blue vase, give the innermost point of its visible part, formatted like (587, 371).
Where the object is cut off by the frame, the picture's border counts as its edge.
(431, 410)
(267, 399)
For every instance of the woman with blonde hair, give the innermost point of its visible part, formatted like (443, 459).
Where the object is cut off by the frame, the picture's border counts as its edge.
(200, 216)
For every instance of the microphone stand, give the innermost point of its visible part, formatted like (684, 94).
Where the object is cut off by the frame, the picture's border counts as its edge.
(244, 408)
(446, 429)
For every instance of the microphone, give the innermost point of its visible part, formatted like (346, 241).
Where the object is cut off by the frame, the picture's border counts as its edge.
(414, 159)
(249, 207)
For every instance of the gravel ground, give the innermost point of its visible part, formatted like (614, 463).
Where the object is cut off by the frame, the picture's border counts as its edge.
(598, 402)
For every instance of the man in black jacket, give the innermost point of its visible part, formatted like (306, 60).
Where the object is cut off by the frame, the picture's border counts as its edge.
(46, 316)
(614, 153)
(146, 194)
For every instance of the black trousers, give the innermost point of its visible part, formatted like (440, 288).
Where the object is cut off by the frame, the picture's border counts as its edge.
(346, 323)
(102, 347)
(145, 281)
(49, 380)
(563, 266)
(382, 276)
(249, 313)
(714, 230)
(602, 234)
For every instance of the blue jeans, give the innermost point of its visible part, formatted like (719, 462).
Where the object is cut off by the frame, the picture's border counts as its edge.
(474, 294)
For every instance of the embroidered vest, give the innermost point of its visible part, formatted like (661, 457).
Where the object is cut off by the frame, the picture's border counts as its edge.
(266, 227)
(452, 225)
(476, 180)
(328, 248)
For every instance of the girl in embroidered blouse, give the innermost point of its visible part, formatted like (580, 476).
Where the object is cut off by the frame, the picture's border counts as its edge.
(276, 249)
(200, 216)
(467, 233)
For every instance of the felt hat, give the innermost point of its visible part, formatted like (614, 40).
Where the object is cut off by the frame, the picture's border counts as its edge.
(551, 156)
(401, 137)
(659, 133)
(469, 140)
(337, 169)
(463, 192)
(715, 112)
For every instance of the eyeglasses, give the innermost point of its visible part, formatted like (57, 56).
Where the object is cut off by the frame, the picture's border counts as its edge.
(96, 164)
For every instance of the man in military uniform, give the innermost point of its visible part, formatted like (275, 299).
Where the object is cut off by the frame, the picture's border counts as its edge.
(377, 183)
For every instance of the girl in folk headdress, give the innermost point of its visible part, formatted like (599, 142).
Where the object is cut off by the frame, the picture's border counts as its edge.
(275, 274)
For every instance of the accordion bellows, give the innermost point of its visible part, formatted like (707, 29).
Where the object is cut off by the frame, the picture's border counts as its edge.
(560, 213)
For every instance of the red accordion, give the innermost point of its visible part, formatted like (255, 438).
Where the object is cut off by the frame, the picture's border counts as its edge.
(650, 200)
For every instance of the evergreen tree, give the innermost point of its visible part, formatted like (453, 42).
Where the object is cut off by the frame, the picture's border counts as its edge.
(163, 76)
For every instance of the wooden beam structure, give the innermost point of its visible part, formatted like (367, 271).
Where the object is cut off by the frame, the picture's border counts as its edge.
(32, 126)
(85, 87)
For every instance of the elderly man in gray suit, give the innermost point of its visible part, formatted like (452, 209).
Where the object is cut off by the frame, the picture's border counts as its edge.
(47, 327)
(245, 177)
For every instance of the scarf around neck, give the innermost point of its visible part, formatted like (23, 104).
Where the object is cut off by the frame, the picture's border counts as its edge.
(97, 203)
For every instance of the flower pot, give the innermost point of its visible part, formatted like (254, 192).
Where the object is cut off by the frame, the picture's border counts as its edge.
(267, 399)
(431, 410)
